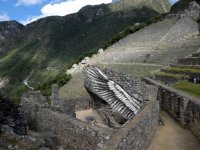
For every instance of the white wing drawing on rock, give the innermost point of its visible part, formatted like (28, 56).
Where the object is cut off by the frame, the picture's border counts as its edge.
(119, 100)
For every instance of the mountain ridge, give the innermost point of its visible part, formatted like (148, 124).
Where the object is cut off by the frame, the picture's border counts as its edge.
(59, 42)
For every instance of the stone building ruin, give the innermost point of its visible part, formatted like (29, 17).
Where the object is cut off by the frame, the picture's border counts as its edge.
(116, 104)
(54, 124)
(180, 106)
(58, 124)
(12, 118)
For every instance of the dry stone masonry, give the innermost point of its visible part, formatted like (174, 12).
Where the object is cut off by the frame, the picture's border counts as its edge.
(138, 132)
(183, 108)
(65, 131)
(62, 130)
(12, 118)
(192, 60)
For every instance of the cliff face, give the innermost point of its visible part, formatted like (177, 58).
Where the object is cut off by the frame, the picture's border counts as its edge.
(9, 30)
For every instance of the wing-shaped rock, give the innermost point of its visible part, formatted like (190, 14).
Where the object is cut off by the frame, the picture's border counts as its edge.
(98, 83)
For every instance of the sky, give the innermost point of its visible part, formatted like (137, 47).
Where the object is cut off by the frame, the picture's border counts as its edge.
(26, 11)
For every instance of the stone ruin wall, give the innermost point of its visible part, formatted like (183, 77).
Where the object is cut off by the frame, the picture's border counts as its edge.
(189, 61)
(83, 104)
(165, 79)
(138, 132)
(184, 29)
(183, 108)
(12, 118)
(70, 133)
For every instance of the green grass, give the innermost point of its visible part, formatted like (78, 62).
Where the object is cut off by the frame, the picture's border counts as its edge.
(17, 91)
(170, 75)
(17, 64)
(185, 70)
(42, 76)
(60, 79)
(188, 87)
(77, 82)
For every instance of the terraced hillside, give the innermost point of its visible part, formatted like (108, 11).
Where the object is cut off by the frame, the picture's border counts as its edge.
(143, 52)
(57, 42)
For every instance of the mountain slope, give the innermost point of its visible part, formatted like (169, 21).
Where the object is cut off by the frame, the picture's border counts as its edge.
(144, 52)
(181, 5)
(58, 42)
(9, 30)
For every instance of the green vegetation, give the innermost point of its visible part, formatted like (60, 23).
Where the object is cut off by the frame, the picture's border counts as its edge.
(129, 30)
(170, 75)
(60, 79)
(77, 82)
(17, 91)
(178, 73)
(59, 42)
(185, 70)
(43, 75)
(18, 63)
(123, 34)
(188, 87)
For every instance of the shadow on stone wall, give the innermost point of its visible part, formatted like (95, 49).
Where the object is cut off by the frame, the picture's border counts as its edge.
(180, 106)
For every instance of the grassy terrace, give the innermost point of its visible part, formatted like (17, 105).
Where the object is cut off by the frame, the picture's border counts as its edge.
(188, 87)
(185, 70)
(170, 75)
(135, 69)
(70, 91)
(178, 72)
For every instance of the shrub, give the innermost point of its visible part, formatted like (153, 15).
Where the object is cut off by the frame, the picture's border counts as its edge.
(60, 79)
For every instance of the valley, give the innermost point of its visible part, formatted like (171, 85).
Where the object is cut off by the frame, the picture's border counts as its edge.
(146, 63)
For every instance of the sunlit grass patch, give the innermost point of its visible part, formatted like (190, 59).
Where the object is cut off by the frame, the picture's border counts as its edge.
(191, 88)
(170, 75)
(185, 70)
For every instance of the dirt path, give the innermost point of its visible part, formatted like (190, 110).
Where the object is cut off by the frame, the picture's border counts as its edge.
(172, 137)
(84, 114)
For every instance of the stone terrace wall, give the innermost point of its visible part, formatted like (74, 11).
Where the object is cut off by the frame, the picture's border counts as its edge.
(184, 28)
(138, 132)
(185, 66)
(70, 133)
(182, 107)
(189, 61)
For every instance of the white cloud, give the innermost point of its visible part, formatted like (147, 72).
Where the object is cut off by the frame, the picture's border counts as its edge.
(28, 2)
(62, 8)
(4, 17)
(173, 1)
(31, 19)
(68, 7)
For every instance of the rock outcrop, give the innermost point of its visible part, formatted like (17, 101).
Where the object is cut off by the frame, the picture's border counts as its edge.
(99, 85)
(12, 118)
(9, 31)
